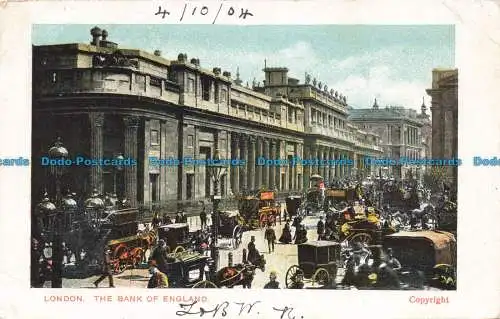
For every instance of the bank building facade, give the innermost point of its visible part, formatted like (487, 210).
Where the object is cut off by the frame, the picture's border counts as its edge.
(107, 102)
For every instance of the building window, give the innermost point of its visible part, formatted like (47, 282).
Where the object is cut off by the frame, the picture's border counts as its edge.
(216, 96)
(191, 86)
(290, 115)
(205, 89)
(223, 185)
(153, 182)
(155, 82)
(189, 186)
(313, 116)
(223, 95)
(155, 137)
(190, 141)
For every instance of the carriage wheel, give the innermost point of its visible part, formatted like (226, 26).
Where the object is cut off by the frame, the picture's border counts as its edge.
(179, 249)
(237, 234)
(362, 238)
(321, 277)
(291, 274)
(204, 284)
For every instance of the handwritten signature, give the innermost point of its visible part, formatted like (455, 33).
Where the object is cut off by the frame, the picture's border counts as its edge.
(226, 308)
(205, 10)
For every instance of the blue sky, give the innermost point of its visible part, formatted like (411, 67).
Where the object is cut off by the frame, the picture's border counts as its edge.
(391, 63)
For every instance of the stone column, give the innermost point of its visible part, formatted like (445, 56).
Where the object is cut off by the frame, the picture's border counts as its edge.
(272, 173)
(293, 170)
(244, 168)
(258, 175)
(235, 170)
(265, 173)
(306, 169)
(332, 167)
(324, 156)
(96, 149)
(251, 163)
(130, 146)
(327, 167)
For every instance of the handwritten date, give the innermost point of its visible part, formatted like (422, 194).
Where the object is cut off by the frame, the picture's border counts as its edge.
(205, 11)
(231, 309)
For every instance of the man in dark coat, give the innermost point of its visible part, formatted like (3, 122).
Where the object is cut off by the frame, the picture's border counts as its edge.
(166, 219)
(253, 254)
(203, 217)
(321, 228)
(272, 284)
(270, 236)
(286, 236)
(107, 271)
(159, 255)
(184, 218)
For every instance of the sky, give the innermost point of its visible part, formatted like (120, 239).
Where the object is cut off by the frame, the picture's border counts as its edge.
(363, 62)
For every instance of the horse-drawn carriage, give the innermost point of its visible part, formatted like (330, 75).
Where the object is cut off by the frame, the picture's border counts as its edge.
(432, 252)
(129, 252)
(232, 226)
(175, 235)
(185, 269)
(318, 263)
(259, 210)
(361, 228)
(293, 206)
(338, 198)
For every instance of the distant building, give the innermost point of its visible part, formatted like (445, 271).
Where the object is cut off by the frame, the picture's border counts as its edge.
(444, 93)
(401, 132)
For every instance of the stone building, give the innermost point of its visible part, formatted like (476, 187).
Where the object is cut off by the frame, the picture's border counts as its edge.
(401, 134)
(444, 93)
(104, 101)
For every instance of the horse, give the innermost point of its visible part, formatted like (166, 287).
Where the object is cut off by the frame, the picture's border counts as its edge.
(240, 274)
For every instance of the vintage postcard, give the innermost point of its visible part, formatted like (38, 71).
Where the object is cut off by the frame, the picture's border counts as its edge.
(324, 149)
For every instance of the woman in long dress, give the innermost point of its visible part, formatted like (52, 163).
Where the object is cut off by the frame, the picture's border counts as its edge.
(286, 236)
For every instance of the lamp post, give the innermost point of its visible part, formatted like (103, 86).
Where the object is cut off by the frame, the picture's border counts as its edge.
(59, 153)
(119, 158)
(216, 169)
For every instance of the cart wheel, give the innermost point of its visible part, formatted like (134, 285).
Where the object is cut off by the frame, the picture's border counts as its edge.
(291, 274)
(205, 284)
(321, 277)
(179, 249)
(363, 238)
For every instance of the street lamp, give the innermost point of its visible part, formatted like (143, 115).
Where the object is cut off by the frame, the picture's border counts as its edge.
(216, 169)
(94, 210)
(119, 158)
(59, 153)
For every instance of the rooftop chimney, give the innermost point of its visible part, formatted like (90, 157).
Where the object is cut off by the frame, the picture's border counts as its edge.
(157, 53)
(96, 34)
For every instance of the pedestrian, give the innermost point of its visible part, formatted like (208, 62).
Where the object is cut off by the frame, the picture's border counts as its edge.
(166, 219)
(286, 236)
(203, 217)
(156, 220)
(272, 284)
(253, 254)
(184, 218)
(107, 269)
(392, 261)
(178, 217)
(321, 228)
(270, 236)
(159, 254)
(158, 279)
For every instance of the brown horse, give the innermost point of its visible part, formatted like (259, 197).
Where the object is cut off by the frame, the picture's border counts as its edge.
(240, 274)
